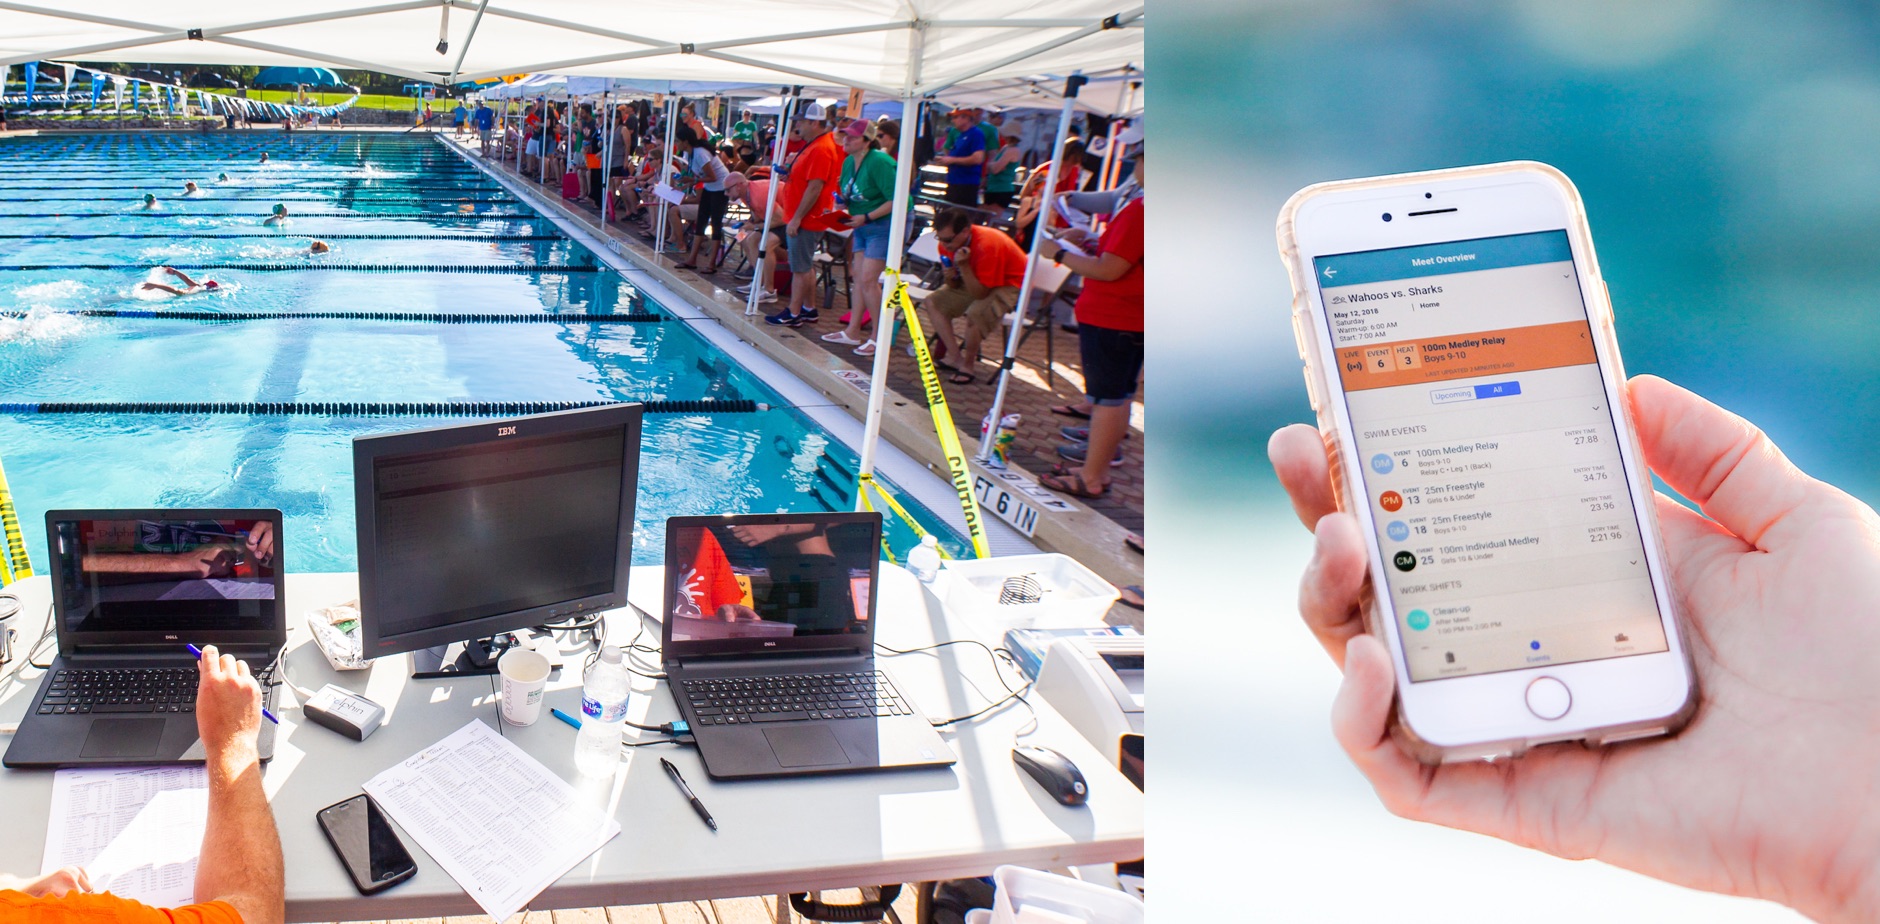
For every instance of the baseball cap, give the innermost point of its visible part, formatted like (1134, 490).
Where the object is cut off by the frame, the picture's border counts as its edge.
(860, 128)
(812, 111)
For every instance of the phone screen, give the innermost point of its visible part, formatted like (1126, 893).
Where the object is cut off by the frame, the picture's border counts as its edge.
(366, 843)
(1489, 455)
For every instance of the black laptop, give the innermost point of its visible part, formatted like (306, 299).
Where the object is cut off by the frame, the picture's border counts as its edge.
(131, 589)
(768, 638)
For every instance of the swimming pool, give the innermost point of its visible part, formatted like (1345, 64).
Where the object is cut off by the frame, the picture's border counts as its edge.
(415, 233)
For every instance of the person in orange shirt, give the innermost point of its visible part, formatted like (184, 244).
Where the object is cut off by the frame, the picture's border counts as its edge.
(984, 269)
(239, 878)
(808, 205)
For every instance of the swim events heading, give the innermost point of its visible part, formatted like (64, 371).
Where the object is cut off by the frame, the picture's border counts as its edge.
(1440, 259)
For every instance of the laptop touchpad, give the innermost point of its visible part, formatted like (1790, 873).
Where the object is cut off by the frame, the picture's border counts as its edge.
(123, 738)
(805, 746)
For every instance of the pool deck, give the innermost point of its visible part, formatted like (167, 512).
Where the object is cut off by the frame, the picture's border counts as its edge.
(1090, 532)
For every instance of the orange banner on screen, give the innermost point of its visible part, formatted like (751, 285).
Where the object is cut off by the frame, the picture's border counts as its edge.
(1439, 359)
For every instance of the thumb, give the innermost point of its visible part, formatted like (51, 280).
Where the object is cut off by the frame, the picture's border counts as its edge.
(1721, 462)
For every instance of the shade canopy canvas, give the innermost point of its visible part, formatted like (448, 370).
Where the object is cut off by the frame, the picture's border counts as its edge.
(892, 47)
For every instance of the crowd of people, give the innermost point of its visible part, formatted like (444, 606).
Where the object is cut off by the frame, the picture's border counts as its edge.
(834, 182)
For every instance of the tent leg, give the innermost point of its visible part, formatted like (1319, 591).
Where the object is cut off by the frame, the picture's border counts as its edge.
(884, 323)
(1031, 265)
(776, 157)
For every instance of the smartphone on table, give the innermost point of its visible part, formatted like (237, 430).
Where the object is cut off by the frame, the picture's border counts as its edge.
(1459, 352)
(367, 846)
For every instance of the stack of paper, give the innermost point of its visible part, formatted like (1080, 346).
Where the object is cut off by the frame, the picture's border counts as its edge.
(135, 830)
(493, 817)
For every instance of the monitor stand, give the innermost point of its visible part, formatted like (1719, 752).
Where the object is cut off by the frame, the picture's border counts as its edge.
(460, 659)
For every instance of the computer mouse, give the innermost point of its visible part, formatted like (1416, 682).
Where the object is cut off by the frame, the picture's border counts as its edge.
(1053, 771)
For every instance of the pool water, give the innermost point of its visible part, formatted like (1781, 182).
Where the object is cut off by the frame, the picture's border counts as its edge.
(431, 235)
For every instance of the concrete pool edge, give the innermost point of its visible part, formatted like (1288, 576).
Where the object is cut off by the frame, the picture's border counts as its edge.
(714, 323)
(1083, 534)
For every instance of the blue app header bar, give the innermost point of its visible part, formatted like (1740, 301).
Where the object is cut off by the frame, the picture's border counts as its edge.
(1484, 253)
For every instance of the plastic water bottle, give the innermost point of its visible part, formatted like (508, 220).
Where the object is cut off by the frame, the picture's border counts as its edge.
(924, 559)
(604, 692)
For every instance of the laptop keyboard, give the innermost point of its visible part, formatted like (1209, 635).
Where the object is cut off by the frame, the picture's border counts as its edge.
(125, 689)
(793, 698)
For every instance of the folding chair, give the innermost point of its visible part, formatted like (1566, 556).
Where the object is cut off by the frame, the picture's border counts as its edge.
(1047, 283)
(832, 253)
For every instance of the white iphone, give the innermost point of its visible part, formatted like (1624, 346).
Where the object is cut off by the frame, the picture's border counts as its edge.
(1459, 353)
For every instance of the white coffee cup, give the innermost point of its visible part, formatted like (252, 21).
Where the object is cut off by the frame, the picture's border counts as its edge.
(525, 674)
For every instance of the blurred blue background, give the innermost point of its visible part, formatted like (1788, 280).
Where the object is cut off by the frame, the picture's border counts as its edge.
(1729, 157)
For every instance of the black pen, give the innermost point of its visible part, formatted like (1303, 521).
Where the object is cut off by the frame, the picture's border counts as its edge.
(697, 806)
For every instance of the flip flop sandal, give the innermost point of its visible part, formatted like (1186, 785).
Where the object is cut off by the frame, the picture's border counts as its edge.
(1133, 590)
(1069, 411)
(1134, 541)
(962, 378)
(1072, 483)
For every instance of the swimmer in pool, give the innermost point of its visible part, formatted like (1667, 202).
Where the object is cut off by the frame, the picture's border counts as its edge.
(150, 201)
(190, 286)
(264, 157)
(221, 178)
(318, 247)
(279, 216)
(190, 188)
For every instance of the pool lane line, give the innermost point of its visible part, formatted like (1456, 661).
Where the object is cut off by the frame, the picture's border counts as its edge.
(386, 216)
(244, 187)
(277, 235)
(483, 268)
(319, 196)
(431, 317)
(372, 409)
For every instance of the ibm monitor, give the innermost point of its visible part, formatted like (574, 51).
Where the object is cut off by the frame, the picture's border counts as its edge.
(472, 531)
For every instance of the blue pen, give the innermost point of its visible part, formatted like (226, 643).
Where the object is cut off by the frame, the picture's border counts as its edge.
(264, 710)
(565, 717)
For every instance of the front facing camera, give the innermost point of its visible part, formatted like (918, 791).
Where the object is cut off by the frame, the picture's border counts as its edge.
(1386, 216)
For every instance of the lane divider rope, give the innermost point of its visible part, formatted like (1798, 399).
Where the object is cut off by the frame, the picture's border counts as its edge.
(369, 408)
(432, 317)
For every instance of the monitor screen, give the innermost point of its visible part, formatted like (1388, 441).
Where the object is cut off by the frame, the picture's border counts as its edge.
(131, 573)
(795, 576)
(484, 528)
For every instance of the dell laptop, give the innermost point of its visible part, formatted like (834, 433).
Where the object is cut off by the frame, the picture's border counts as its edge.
(131, 590)
(768, 638)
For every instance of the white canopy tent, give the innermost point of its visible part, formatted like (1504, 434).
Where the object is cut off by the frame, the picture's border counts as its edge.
(908, 50)
(893, 47)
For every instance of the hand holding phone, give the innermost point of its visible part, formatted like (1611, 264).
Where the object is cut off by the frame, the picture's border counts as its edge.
(1459, 351)
(372, 853)
(1779, 762)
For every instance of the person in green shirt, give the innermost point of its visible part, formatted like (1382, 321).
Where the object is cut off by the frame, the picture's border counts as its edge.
(867, 189)
(745, 129)
(1002, 173)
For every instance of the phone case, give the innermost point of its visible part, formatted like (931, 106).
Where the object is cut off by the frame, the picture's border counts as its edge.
(365, 888)
(1320, 383)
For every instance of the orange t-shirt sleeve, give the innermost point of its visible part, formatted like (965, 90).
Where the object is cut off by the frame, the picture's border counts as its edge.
(105, 908)
(996, 260)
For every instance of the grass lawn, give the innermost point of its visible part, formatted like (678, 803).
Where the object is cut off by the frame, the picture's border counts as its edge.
(366, 101)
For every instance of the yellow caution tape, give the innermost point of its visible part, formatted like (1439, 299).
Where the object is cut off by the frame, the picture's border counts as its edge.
(862, 488)
(942, 421)
(16, 566)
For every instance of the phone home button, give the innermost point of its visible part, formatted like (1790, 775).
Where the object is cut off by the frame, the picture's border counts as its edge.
(1549, 698)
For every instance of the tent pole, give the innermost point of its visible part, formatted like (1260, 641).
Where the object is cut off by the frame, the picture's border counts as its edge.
(770, 199)
(1045, 195)
(541, 145)
(665, 177)
(607, 162)
(884, 322)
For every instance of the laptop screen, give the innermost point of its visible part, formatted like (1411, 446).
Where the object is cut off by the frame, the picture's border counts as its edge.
(196, 574)
(772, 577)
